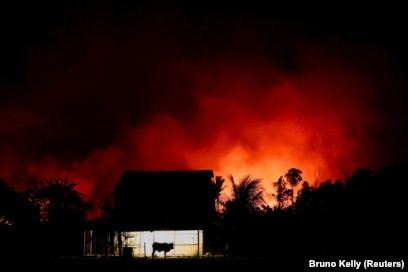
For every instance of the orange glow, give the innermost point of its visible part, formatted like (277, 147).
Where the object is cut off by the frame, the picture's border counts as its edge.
(237, 115)
(245, 123)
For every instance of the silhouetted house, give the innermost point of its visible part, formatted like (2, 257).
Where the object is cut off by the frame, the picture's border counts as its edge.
(160, 206)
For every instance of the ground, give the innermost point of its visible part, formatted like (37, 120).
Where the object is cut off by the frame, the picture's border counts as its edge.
(158, 264)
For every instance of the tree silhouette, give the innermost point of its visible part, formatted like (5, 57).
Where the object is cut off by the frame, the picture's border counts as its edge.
(58, 201)
(18, 221)
(218, 187)
(246, 196)
(15, 209)
(282, 193)
(304, 199)
(241, 212)
(293, 177)
(62, 212)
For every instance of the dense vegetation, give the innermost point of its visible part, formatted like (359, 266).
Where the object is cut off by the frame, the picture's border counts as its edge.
(359, 216)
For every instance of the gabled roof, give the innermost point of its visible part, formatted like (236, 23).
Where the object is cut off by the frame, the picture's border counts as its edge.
(154, 179)
(164, 199)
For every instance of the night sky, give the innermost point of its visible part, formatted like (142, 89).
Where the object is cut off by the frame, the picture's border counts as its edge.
(89, 90)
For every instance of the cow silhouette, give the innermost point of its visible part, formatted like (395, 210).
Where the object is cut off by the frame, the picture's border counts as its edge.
(166, 247)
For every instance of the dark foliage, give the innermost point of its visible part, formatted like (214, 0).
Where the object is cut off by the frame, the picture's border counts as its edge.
(62, 211)
(362, 216)
(18, 221)
(359, 217)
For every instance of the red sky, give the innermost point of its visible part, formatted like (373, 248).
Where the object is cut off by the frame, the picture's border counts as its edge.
(92, 90)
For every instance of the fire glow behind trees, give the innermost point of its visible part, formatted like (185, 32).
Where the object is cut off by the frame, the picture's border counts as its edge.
(90, 91)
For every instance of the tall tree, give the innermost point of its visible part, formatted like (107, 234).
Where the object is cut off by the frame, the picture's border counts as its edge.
(58, 201)
(63, 211)
(247, 196)
(293, 177)
(282, 193)
(241, 215)
(218, 187)
(304, 200)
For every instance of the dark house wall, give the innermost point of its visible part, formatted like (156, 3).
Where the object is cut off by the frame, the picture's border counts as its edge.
(147, 200)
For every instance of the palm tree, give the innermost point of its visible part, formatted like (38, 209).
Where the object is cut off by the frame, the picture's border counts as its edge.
(241, 214)
(293, 177)
(218, 187)
(246, 196)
